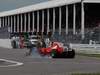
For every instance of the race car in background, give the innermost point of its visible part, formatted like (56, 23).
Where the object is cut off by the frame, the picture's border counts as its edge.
(57, 50)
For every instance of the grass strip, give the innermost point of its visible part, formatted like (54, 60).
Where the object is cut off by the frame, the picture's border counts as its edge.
(85, 74)
(90, 55)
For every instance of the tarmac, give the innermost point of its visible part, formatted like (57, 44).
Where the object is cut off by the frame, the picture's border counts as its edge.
(37, 65)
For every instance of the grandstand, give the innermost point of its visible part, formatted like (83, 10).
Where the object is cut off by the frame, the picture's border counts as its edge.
(74, 20)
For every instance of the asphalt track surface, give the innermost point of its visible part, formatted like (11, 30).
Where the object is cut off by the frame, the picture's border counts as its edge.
(36, 65)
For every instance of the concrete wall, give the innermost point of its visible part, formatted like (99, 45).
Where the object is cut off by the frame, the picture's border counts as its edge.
(86, 48)
(5, 43)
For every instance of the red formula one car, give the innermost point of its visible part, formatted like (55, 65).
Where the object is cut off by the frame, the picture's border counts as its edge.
(57, 50)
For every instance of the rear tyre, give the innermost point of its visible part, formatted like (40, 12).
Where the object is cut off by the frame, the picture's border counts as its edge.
(71, 54)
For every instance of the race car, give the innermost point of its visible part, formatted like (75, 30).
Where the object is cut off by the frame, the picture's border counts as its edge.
(57, 50)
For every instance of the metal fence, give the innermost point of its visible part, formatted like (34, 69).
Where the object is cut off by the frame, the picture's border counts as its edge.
(90, 34)
(4, 34)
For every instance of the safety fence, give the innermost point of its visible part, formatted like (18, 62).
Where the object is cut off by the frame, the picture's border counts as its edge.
(5, 43)
(86, 48)
(4, 34)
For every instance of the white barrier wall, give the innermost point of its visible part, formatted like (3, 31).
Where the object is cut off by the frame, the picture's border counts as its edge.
(5, 43)
(86, 48)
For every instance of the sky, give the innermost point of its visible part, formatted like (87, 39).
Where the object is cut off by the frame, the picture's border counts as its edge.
(6, 5)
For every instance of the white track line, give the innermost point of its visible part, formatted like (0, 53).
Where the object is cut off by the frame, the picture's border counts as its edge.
(15, 63)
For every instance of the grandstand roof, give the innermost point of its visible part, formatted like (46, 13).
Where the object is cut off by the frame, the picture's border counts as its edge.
(44, 5)
(91, 1)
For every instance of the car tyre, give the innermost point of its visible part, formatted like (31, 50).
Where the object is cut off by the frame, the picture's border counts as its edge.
(54, 53)
(71, 54)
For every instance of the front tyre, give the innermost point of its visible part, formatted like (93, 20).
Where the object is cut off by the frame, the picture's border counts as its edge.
(54, 53)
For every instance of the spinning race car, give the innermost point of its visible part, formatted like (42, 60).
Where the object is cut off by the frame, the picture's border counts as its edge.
(57, 50)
